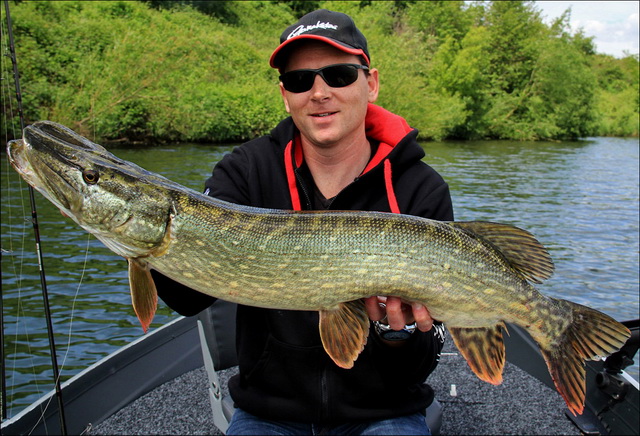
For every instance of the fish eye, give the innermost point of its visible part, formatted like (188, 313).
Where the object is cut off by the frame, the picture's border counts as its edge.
(90, 176)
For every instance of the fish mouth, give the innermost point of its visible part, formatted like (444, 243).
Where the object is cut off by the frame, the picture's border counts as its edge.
(16, 150)
(47, 181)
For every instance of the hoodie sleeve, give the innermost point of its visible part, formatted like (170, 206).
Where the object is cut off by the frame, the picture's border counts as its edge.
(180, 298)
(423, 192)
(437, 204)
(229, 179)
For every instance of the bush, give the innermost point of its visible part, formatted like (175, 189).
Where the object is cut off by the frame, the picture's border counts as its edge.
(184, 71)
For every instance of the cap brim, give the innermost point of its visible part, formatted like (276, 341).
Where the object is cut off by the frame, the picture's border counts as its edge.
(274, 62)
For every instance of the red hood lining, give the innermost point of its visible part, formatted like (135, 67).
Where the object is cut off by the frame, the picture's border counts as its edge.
(380, 125)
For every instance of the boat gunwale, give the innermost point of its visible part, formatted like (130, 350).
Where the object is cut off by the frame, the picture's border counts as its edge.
(108, 380)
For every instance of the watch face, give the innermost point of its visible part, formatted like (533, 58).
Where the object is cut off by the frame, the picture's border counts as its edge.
(395, 335)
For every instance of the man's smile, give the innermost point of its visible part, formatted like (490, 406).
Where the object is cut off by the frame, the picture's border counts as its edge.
(323, 114)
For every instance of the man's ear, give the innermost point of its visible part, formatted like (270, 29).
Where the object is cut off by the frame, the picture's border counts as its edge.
(374, 84)
(284, 98)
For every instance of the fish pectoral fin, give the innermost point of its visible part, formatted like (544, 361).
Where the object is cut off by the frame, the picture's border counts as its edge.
(344, 332)
(520, 248)
(483, 349)
(168, 238)
(144, 295)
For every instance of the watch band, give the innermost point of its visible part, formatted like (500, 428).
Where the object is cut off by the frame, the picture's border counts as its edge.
(388, 334)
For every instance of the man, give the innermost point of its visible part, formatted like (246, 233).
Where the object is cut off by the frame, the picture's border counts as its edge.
(336, 151)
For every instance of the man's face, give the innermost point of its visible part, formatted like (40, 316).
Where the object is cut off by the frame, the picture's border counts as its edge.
(324, 115)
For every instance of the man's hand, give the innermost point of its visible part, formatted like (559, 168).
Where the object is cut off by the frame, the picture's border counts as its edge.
(398, 313)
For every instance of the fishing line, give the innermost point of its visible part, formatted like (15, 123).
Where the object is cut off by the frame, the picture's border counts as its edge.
(3, 377)
(34, 218)
(10, 116)
(75, 298)
(18, 272)
(73, 306)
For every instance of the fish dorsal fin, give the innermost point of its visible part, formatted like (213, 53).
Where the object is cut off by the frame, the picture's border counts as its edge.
(519, 247)
(344, 332)
(483, 349)
(144, 295)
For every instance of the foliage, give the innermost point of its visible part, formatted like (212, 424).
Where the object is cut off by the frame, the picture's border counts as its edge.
(122, 71)
(301, 7)
(219, 9)
(618, 99)
(188, 70)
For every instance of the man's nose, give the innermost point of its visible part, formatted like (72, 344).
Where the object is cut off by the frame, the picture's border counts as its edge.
(320, 89)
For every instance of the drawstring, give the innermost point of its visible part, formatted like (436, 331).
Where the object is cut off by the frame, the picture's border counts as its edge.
(388, 183)
(292, 148)
(291, 177)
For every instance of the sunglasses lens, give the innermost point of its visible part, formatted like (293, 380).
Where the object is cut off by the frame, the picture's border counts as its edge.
(340, 76)
(336, 76)
(298, 81)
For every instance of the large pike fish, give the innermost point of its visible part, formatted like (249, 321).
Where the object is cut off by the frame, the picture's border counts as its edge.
(473, 276)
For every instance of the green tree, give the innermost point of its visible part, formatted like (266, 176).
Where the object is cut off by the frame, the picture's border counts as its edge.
(197, 71)
(301, 7)
(618, 100)
(222, 10)
(441, 19)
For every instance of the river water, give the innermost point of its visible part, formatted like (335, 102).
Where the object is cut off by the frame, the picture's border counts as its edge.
(579, 198)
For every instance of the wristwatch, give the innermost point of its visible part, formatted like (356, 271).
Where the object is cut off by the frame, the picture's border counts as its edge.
(388, 334)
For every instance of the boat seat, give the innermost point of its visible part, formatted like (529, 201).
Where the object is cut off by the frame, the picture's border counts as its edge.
(217, 329)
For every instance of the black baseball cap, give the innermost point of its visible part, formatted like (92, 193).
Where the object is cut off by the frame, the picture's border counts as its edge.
(334, 28)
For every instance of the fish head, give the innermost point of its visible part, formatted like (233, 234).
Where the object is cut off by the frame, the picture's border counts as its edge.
(123, 205)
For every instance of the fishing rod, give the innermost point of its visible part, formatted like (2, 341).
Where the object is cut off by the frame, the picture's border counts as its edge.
(36, 230)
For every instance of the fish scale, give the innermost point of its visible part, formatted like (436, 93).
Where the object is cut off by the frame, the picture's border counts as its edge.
(357, 250)
(473, 276)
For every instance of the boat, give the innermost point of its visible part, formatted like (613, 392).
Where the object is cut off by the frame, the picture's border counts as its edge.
(163, 379)
(176, 375)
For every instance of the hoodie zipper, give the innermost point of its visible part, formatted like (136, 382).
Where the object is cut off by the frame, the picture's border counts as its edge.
(303, 185)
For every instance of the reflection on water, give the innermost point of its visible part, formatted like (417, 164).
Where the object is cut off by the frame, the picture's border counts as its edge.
(579, 198)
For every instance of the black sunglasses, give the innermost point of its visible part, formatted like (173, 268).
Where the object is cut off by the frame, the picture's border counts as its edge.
(336, 76)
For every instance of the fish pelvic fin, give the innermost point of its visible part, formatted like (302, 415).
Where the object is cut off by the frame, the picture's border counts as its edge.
(483, 349)
(344, 332)
(592, 335)
(144, 295)
(520, 248)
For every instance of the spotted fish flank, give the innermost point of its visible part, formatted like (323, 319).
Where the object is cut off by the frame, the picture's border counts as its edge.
(473, 276)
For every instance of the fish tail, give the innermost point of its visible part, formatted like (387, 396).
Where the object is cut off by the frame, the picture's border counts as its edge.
(592, 335)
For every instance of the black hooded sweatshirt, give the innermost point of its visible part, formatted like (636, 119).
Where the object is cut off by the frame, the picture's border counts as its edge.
(285, 374)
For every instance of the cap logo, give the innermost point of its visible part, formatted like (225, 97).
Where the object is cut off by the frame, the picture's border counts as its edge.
(302, 28)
